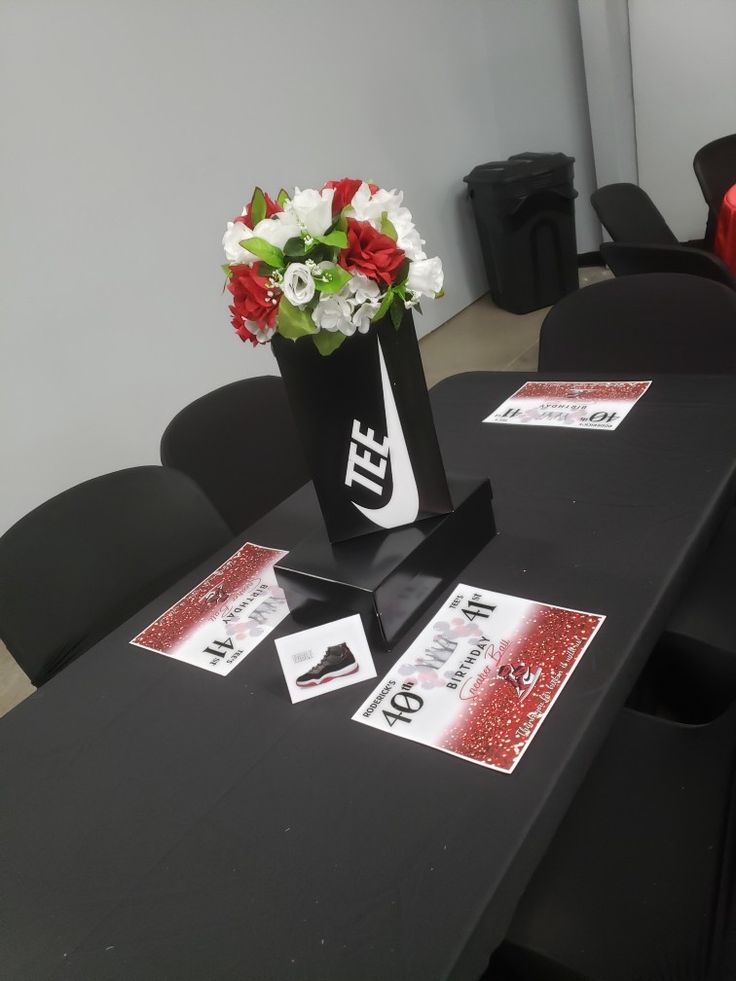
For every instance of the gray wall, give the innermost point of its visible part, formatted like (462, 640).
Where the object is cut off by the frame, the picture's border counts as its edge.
(684, 73)
(537, 85)
(607, 53)
(133, 129)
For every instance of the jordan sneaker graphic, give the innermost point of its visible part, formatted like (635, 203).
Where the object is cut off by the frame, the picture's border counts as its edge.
(521, 677)
(337, 662)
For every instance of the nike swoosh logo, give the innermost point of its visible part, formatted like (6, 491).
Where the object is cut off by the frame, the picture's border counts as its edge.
(403, 506)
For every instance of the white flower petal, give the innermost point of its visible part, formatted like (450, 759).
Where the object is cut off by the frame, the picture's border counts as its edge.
(361, 288)
(425, 276)
(333, 313)
(297, 285)
(278, 229)
(235, 254)
(362, 316)
(313, 209)
(361, 200)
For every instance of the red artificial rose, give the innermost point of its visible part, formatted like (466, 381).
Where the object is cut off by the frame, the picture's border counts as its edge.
(253, 300)
(272, 208)
(370, 253)
(344, 192)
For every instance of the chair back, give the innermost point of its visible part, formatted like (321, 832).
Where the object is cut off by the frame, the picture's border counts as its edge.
(625, 259)
(628, 214)
(715, 167)
(654, 323)
(240, 444)
(78, 566)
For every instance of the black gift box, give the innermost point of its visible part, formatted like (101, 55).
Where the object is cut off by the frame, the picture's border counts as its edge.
(366, 425)
(388, 577)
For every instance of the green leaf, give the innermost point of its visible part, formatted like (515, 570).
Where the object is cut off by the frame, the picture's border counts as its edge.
(403, 272)
(387, 227)
(295, 248)
(327, 341)
(397, 312)
(282, 197)
(385, 304)
(263, 269)
(264, 250)
(293, 322)
(336, 239)
(334, 279)
(257, 207)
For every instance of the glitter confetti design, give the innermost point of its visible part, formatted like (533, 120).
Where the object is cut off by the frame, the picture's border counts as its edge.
(576, 391)
(501, 711)
(481, 678)
(211, 599)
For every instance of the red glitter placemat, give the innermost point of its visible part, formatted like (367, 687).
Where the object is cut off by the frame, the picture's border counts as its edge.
(599, 405)
(480, 679)
(222, 619)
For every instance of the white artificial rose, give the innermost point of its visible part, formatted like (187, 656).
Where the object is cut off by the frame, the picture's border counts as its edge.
(278, 229)
(361, 202)
(411, 245)
(363, 314)
(425, 276)
(298, 285)
(389, 201)
(400, 218)
(369, 207)
(313, 209)
(408, 238)
(235, 254)
(333, 313)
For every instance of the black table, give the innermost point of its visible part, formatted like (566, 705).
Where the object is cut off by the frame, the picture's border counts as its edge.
(160, 822)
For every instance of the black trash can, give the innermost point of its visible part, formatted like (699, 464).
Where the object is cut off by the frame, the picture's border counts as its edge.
(525, 212)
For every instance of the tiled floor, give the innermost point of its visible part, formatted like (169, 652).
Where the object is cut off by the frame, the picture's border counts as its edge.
(479, 338)
(482, 338)
(14, 686)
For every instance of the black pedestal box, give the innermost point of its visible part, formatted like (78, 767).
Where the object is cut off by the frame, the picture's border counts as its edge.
(388, 577)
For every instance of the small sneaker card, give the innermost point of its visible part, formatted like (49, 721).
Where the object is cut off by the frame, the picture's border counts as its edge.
(575, 405)
(325, 658)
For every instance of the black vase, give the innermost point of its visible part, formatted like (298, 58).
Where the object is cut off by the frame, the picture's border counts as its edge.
(366, 425)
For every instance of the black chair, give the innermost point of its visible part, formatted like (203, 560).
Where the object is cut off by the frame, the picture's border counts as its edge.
(240, 444)
(82, 563)
(715, 167)
(638, 883)
(649, 324)
(629, 215)
(627, 259)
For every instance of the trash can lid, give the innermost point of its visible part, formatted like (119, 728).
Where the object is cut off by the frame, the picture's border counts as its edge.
(521, 166)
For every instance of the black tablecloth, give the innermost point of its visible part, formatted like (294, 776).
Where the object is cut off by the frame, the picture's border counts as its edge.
(161, 822)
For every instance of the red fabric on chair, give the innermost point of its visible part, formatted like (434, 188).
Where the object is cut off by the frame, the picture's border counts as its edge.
(725, 242)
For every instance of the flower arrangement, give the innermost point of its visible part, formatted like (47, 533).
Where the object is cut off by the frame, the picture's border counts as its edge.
(325, 263)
